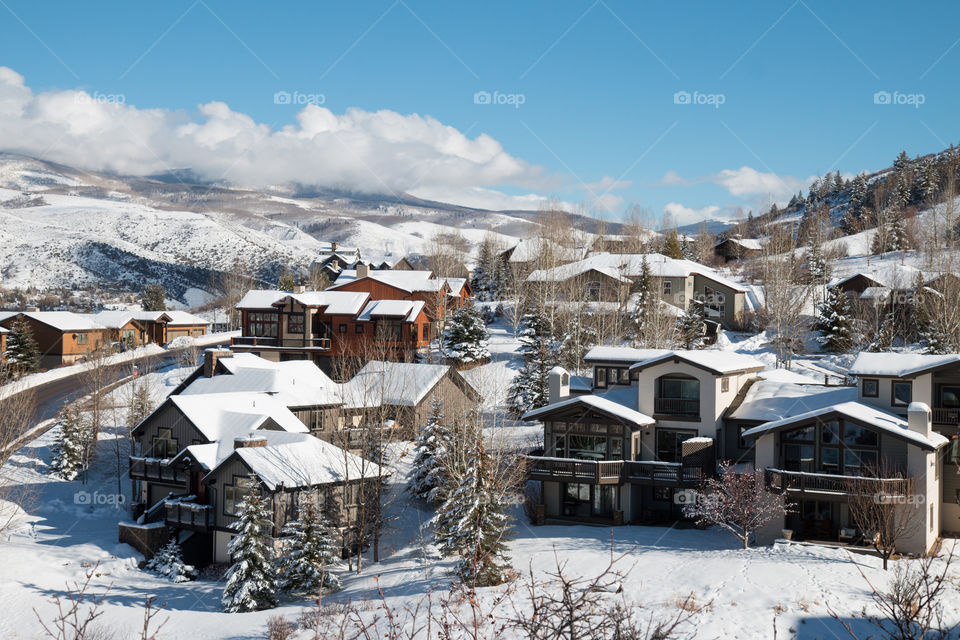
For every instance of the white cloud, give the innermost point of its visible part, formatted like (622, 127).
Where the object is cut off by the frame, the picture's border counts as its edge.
(680, 215)
(747, 181)
(380, 151)
(492, 199)
(671, 178)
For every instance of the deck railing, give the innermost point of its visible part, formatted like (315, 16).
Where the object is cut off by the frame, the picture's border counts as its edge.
(612, 471)
(779, 481)
(157, 470)
(666, 472)
(189, 515)
(946, 416)
(676, 407)
(301, 343)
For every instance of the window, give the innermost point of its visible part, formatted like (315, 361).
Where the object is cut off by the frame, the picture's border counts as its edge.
(233, 494)
(600, 377)
(593, 291)
(129, 336)
(871, 387)
(713, 302)
(576, 492)
(724, 385)
(295, 323)
(343, 328)
(744, 443)
(425, 331)
(669, 444)
(351, 494)
(835, 447)
(164, 444)
(358, 328)
(262, 324)
(389, 330)
(677, 396)
(83, 338)
(901, 393)
(667, 287)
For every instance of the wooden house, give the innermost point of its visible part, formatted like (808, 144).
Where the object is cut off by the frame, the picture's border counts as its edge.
(63, 337)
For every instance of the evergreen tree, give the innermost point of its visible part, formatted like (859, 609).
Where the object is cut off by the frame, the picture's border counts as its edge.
(487, 276)
(473, 523)
(465, 338)
(642, 289)
(251, 579)
(153, 298)
(141, 403)
(902, 163)
(690, 326)
(835, 323)
(23, 354)
(428, 472)
(672, 248)
(530, 388)
(883, 339)
(576, 341)
(310, 552)
(837, 182)
(858, 192)
(71, 451)
(286, 282)
(168, 562)
(901, 195)
(897, 235)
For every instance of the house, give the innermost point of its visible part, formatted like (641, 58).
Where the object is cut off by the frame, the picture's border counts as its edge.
(656, 423)
(421, 286)
(4, 332)
(610, 277)
(878, 284)
(333, 324)
(136, 328)
(737, 248)
(529, 253)
(123, 328)
(63, 337)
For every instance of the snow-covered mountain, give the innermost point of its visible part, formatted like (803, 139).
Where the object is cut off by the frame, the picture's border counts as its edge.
(63, 227)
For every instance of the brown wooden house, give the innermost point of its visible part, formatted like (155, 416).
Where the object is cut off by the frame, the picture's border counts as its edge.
(62, 337)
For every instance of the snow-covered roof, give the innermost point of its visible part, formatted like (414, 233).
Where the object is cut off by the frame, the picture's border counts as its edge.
(345, 303)
(621, 403)
(456, 284)
(892, 276)
(768, 400)
(899, 365)
(626, 355)
(529, 249)
(407, 309)
(392, 383)
(63, 320)
(113, 319)
(226, 415)
(304, 463)
(714, 360)
(875, 293)
(859, 412)
(184, 318)
(211, 454)
(409, 281)
(295, 383)
(581, 383)
(750, 244)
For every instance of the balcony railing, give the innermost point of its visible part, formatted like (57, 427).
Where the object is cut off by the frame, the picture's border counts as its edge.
(663, 472)
(946, 416)
(188, 515)
(798, 481)
(613, 471)
(676, 407)
(296, 343)
(573, 470)
(156, 470)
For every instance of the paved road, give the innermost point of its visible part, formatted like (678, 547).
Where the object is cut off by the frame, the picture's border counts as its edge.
(51, 396)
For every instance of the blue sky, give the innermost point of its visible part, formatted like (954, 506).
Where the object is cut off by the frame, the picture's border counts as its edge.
(598, 125)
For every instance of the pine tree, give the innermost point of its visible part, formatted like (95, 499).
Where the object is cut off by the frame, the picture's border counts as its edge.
(141, 404)
(473, 523)
(834, 322)
(286, 282)
(530, 388)
(897, 233)
(487, 278)
(690, 326)
(153, 298)
(310, 552)
(23, 354)
(71, 451)
(883, 339)
(168, 562)
(858, 192)
(465, 338)
(672, 248)
(642, 289)
(251, 579)
(428, 472)
(576, 341)
(902, 163)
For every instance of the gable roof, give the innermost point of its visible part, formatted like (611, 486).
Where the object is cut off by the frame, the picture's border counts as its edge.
(627, 355)
(409, 281)
(619, 403)
(225, 415)
(900, 365)
(406, 309)
(715, 361)
(858, 412)
(61, 320)
(768, 400)
(392, 383)
(346, 303)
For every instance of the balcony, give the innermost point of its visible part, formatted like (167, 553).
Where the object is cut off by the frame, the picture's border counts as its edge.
(667, 473)
(188, 515)
(613, 471)
(322, 344)
(573, 470)
(946, 416)
(778, 481)
(677, 407)
(156, 470)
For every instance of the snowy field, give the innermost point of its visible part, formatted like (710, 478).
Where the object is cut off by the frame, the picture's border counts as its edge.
(71, 529)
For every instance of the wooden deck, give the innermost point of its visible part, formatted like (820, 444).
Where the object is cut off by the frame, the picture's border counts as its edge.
(613, 471)
(779, 481)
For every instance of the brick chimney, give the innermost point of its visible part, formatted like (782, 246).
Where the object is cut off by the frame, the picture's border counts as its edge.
(363, 271)
(249, 441)
(558, 384)
(210, 359)
(918, 419)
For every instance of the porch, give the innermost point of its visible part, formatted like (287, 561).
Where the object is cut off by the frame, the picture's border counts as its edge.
(189, 515)
(779, 481)
(614, 472)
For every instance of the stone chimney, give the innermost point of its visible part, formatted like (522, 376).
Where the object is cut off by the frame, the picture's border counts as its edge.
(299, 288)
(334, 245)
(918, 419)
(210, 359)
(252, 440)
(558, 383)
(363, 271)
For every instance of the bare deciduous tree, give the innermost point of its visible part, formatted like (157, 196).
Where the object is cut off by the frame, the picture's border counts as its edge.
(884, 516)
